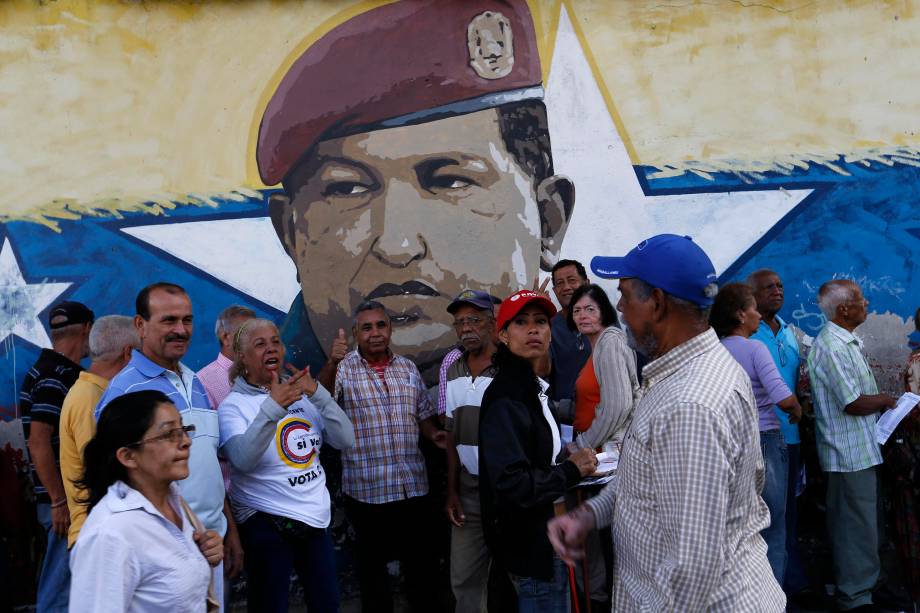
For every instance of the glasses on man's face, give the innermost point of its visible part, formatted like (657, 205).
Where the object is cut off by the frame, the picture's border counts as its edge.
(467, 321)
(176, 435)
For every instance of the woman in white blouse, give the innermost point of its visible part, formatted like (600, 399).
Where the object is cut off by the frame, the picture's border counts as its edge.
(272, 428)
(139, 549)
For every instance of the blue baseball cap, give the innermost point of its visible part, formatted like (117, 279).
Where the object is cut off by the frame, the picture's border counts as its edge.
(480, 300)
(672, 263)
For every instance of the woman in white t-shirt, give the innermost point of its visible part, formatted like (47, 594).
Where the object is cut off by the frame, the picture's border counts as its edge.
(272, 427)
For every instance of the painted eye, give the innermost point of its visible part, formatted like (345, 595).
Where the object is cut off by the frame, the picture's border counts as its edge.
(345, 188)
(451, 182)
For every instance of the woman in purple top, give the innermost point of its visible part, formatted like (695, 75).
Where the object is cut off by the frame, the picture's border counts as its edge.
(734, 317)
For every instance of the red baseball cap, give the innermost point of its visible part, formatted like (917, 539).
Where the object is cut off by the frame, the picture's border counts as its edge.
(403, 63)
(513, 304)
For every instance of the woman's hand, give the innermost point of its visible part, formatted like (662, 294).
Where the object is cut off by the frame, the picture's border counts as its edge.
(308, 384)
(791, 406)
(288, 392)
(211, 546)
(585, 460)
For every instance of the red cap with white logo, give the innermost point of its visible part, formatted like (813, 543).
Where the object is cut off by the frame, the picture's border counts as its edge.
(513, 304)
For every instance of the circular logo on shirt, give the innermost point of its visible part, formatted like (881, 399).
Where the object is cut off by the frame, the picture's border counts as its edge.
(296, 442)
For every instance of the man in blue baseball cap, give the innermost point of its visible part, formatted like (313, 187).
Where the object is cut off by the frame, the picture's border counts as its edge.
(686, 509)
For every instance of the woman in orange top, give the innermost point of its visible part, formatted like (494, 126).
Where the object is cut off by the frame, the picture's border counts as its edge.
(607, 385)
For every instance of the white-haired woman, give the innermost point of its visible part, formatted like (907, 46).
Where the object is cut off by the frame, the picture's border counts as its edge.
(272, 427)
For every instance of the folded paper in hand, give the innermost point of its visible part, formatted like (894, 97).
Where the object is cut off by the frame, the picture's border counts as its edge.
(891, 418)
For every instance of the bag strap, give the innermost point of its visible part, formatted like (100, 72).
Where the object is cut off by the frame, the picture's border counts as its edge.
(212, 602)
(196, 523)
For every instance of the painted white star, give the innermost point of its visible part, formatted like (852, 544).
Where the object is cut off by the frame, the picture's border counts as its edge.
(21, 302)
(243, 253)
(611, 216)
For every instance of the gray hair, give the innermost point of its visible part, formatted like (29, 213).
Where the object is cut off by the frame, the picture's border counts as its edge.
(760, 272)
(833, 294)
(368, 305)
(241, 340)
(110, 335)
(228, 316)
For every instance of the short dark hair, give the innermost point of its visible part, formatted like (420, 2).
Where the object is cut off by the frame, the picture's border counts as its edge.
(563, 263)
(732, 297)
(597, 294)
(142, 302)
(123, 422)
(524, 131)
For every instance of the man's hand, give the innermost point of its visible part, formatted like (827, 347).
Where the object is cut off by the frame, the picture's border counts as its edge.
(233, 553)
(455, 510)
(60, 520)
(540, 288)
(431, 429)
(211, 546)
(339, 348)
(567, 533)
(585, 460)
(439, 438)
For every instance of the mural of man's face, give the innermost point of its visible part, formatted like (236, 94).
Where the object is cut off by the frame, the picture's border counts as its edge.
(410, 216)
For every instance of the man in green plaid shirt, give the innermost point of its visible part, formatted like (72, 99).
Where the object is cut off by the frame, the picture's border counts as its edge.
(847, 406)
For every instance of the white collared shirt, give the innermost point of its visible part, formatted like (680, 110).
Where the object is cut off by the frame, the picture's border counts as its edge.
(129, 557)
(553, 428)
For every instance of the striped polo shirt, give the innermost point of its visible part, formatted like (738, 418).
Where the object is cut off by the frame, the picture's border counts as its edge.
(464, 397)
(203, 489)
(40, 400)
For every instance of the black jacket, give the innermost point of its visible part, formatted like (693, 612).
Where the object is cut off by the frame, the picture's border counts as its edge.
(517, 481)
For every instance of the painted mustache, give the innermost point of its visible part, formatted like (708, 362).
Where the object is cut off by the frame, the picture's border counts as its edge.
(403, 289)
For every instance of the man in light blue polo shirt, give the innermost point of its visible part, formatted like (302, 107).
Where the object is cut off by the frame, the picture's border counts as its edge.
(164, 323)
(780, 339)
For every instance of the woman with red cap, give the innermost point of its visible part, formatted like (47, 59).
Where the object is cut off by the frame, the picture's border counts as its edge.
(519, 448)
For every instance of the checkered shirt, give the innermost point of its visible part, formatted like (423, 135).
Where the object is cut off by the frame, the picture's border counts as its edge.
(385, 463)
(839, 374)
(452, 356)
(685, 508)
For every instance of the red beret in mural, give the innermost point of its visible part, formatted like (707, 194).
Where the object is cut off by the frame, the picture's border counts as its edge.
(399, 64)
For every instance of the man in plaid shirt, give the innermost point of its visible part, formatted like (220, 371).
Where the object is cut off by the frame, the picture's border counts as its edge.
(383, 475)
(847, 405)
(685, 508)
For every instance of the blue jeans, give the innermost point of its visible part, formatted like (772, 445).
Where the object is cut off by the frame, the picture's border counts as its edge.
(776, 478)
(268, 559)
(54, 581)
(536, 596)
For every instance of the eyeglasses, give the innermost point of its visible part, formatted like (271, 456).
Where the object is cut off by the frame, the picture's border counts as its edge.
(467, 321)
(173, 436)
(781, 352)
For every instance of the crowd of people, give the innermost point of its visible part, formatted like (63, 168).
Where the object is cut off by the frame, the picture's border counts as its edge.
(157, 484)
